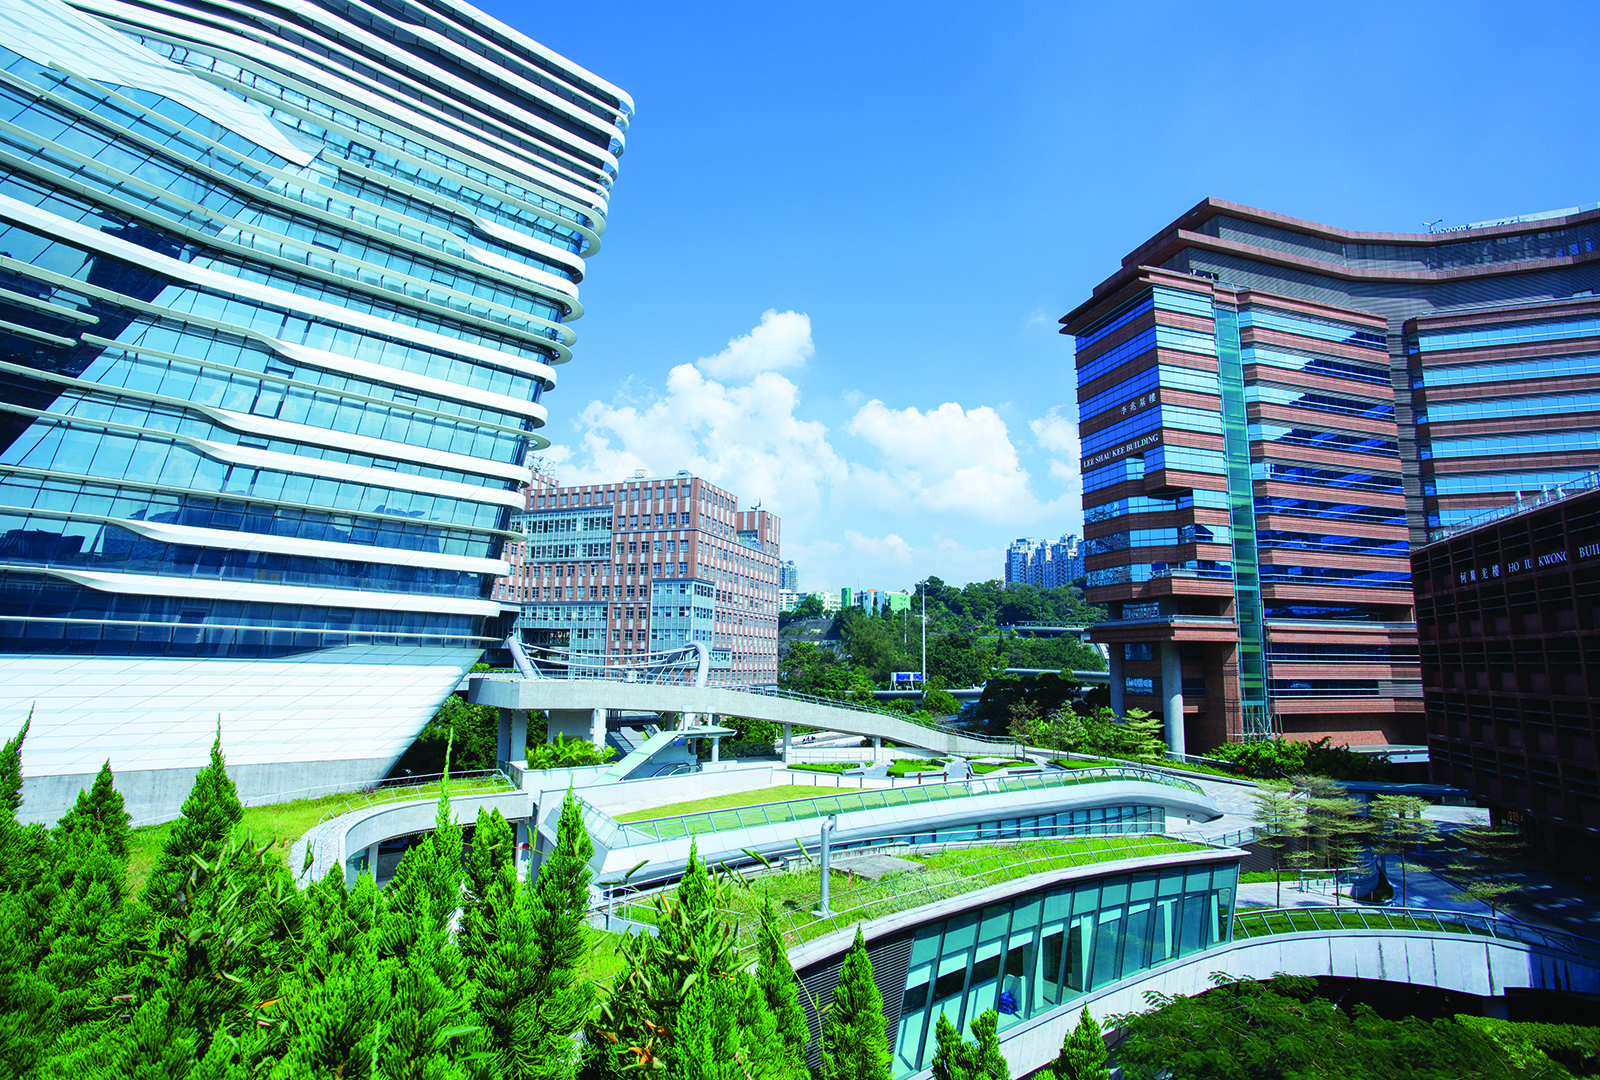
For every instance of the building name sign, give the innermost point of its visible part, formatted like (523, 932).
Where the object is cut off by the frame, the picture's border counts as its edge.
(1490, 571)
(1121, 451)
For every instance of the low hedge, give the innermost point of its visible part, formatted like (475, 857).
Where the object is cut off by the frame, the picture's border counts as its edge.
(835, 767)
(909, 766)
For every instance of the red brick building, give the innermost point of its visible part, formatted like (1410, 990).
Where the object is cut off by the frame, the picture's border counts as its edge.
(607, 573)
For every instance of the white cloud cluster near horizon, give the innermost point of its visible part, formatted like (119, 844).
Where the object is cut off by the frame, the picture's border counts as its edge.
(895, 495)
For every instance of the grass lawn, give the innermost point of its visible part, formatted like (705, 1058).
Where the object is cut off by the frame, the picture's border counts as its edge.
(284, 823)
(603, 959)
(759, 797)
(912, 766)
(1084, 763)
(1260, 877)
(982, 767)
(1176, 766)
(835, 767)
(949, 873)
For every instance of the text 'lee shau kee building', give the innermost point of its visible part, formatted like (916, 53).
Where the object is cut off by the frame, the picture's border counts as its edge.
(281, 285)
(1273, 412)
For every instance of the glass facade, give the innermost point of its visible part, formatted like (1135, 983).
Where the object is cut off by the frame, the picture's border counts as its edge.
(275, 323)
(1203, 466)
(1255, 710)
(1042, 951)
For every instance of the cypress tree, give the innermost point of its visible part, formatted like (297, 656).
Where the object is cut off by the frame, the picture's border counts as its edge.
(640, 1020)
(11, 771)
(781, 990)
(1083, 1052)
(958, 1059)
(491, 883)
(208, 817)
(855, 1041)
(99, 809)
(528, 943)
(429, 1004)
(27, 893)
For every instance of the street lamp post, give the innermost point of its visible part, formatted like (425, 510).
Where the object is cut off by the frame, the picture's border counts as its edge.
(924, 586)
(826, 838)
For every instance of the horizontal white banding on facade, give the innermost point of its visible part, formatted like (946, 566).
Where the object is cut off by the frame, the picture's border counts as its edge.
(251, 592)
(362, 444)
(504, 264)
(304, 353)
(531, 244)
(585, 196)
(266, 378)
(319, 549)
(82, 236)
(233, 626)
(274, 460)
(302, 433)
(542, 280)
(475, 18)
(405, 187)
(236, 540)
(259, 500)
(338, 470)
(252, 242)
(55, 35)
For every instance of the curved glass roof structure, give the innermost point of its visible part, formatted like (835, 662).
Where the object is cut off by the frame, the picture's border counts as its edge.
(281, 288)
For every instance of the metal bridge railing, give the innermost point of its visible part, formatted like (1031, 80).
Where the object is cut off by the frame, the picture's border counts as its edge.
(782, 813)
(1314, 920)
(1066, 847)
(411, 788)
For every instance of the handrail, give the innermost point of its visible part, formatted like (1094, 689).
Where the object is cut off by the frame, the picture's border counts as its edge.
(1563, 490)
(800, 925)
(679, 826)
(396, 790)
(1424, 920)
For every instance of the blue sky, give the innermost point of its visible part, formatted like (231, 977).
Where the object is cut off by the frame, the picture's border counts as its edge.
(843, 233)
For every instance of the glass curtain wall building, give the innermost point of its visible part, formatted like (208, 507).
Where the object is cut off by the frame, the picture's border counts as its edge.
(1274, 411)
(1029, 955)
(282, 289)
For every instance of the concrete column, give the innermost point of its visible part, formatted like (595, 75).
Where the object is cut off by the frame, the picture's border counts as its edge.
(519, 736)
(1119, 707)
(568, 723)
(788, 733)
(877, 742)
(1172, 690)
(502, 746)
(597, 727)
(716, 748)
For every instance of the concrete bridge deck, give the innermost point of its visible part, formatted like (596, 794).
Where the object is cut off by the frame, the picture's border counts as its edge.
(578, 707)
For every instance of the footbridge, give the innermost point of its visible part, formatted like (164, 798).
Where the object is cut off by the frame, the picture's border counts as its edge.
(579, 707)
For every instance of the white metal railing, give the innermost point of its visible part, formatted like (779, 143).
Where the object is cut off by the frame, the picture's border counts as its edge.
(1545, 497)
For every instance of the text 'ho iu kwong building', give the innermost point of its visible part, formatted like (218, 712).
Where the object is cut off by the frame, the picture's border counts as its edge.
(281, 287)
(1274, 411)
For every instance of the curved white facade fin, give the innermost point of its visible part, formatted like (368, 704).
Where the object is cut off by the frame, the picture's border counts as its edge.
(54, 34)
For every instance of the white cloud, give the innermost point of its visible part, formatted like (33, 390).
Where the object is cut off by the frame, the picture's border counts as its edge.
(898, 494)
(1058, 436)
(744, 438)
(948, 460)
(780, 341)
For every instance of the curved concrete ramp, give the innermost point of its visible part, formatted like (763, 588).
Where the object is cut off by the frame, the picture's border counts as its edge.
(577, 696)
(1465, 963)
